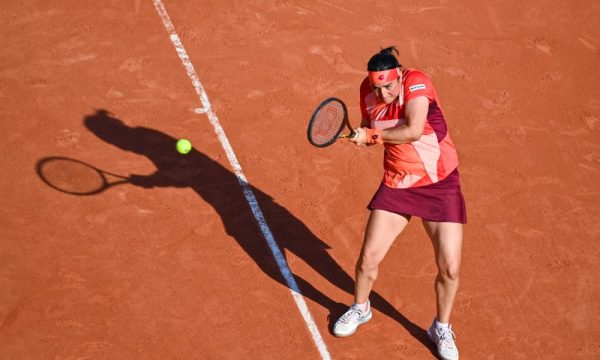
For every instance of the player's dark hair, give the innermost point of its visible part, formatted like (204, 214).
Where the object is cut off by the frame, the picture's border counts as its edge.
(384, 60)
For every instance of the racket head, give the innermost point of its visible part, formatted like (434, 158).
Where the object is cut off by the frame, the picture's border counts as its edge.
(327, 122)
(74, 177)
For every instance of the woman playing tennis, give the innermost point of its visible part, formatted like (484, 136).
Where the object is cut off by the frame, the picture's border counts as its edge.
(401, 112)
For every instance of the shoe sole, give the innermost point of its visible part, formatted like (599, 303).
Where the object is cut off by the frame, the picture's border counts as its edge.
(356, 328)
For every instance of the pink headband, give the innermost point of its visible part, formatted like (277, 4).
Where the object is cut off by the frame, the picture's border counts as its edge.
(383, 77)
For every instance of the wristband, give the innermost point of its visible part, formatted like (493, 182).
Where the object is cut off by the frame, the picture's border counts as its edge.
(374, 136)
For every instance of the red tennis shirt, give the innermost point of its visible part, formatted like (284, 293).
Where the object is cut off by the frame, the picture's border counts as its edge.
(418, 163)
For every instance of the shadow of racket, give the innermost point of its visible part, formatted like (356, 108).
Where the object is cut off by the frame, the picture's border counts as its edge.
(75, 177)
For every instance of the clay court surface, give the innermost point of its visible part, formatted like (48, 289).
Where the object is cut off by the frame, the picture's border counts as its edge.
(174, 265)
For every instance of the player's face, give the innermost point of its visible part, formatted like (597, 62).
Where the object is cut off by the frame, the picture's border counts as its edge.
(387, 92)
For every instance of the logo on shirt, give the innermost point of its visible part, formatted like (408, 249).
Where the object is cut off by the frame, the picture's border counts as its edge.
(416, 87)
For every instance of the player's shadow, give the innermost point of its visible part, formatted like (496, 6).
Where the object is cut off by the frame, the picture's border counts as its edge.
(220, 188)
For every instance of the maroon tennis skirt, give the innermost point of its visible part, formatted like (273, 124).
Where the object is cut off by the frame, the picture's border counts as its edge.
(442, 201)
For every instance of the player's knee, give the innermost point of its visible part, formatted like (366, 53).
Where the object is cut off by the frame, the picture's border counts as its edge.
(367, 263)
(450, 271)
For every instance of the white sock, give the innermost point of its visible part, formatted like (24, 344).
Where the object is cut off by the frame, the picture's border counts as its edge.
(439, 325)
(364, 307)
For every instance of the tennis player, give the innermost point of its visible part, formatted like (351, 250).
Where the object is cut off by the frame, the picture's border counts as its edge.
(401, 112)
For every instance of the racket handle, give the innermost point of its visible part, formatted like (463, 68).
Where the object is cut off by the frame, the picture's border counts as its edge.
(349, 136)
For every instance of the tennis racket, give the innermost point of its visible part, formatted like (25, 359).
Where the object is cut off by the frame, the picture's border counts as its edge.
(75, 177)
(327, 122)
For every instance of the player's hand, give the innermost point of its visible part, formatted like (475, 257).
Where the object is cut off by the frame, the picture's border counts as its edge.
(360, 139)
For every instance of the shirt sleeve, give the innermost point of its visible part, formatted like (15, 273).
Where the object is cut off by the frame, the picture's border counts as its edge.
(416, 83)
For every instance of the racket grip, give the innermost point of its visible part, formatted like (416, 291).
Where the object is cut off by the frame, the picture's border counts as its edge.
(349, 136)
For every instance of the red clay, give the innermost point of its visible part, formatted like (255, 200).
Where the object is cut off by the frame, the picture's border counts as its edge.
(176, 267)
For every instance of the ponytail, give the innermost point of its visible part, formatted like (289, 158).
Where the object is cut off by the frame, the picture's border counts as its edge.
(385, 59)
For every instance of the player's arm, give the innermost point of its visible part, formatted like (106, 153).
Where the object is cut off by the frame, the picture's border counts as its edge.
(415, 113)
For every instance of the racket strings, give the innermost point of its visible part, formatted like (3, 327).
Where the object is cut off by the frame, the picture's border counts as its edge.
(72, 177)
(327, 123)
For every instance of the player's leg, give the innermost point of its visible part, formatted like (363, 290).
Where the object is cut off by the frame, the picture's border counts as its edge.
(447, 244)
(382, 229)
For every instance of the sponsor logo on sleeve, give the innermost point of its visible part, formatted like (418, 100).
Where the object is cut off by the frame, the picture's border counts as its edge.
(416, 87)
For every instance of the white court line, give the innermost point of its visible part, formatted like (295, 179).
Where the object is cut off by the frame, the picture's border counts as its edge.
(252, 202)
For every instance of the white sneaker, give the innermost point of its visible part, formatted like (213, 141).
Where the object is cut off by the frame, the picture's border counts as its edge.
(444, 339)
(349, 322)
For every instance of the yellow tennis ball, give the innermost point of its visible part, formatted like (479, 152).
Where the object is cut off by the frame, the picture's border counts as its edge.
(184, 146)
